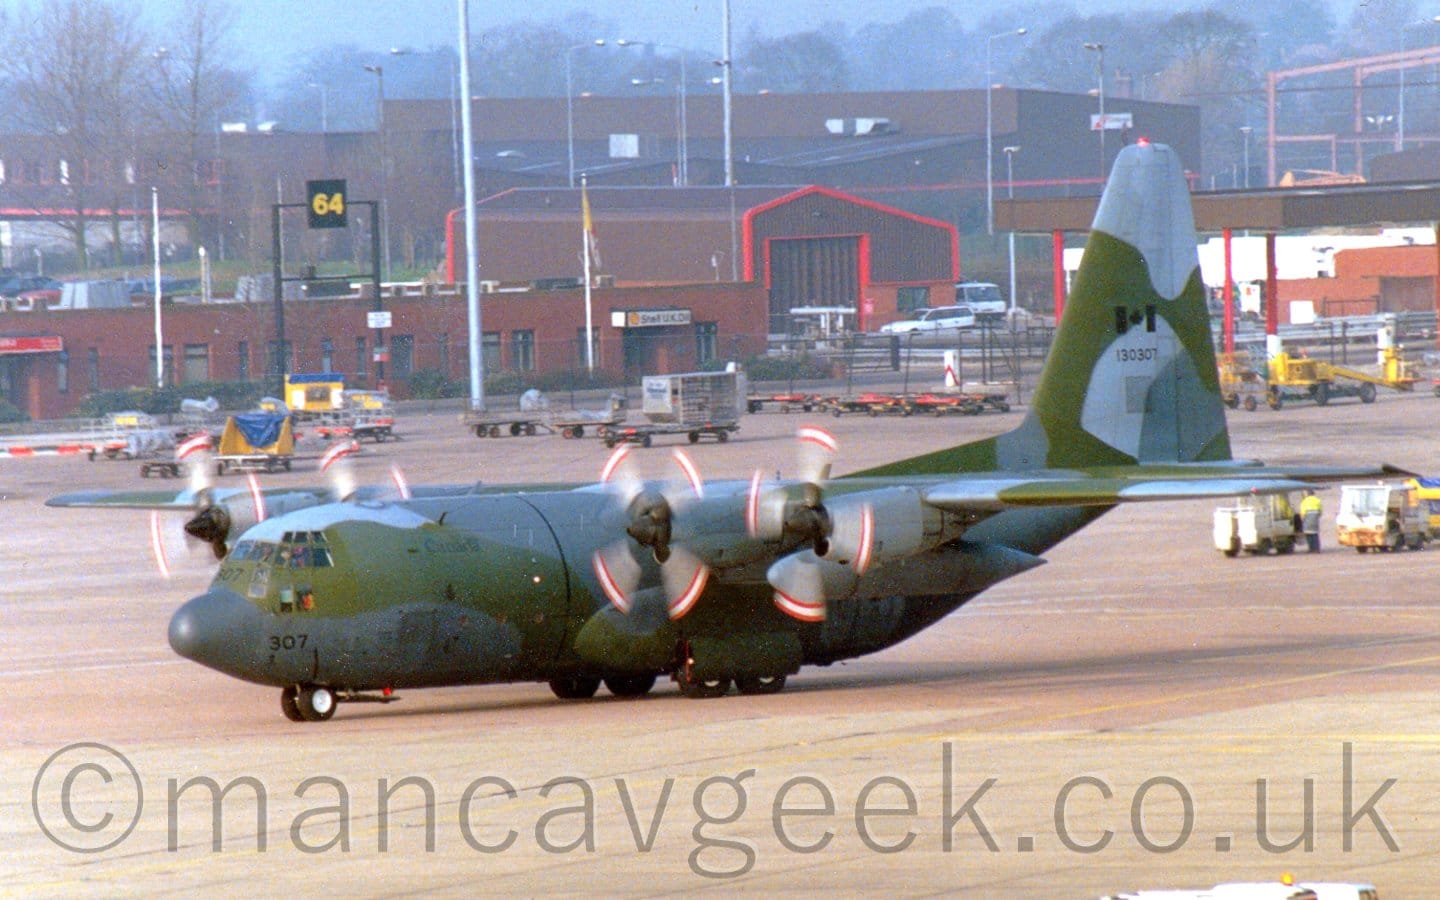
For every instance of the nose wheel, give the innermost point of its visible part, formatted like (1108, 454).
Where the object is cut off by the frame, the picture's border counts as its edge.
(307, 704)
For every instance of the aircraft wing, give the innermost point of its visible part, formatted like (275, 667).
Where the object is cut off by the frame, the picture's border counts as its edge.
(988, 492)
(178, 500)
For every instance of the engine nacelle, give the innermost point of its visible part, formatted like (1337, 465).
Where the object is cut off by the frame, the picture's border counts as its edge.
(874, 527)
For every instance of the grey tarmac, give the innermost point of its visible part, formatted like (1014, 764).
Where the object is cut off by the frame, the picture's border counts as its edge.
(1108, 721)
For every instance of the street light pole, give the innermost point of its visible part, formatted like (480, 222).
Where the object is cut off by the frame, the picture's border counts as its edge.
(1099, 51)
(682, 138)
(1010, 194)
(990, 129)
(379, 72)
(570, 106)
(1400, 109)
(474, 331)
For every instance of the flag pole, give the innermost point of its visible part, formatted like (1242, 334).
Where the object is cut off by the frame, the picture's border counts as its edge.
(585, 242)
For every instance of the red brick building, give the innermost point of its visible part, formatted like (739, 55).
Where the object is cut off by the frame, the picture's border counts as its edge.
(1368, 281)
(49, 360)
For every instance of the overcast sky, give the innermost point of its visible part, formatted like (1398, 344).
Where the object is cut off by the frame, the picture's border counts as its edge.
(277, 31)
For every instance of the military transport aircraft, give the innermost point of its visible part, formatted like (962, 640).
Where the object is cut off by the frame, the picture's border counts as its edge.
(343, 595)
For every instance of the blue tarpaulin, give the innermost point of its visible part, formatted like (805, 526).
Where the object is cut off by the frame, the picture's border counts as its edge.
(260, 429)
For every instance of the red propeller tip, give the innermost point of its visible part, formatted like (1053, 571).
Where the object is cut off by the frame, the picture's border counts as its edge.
(800, 609)
(608, 583)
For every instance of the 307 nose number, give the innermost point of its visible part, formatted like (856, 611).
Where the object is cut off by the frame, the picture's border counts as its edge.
(1136, 354)
(289, 641)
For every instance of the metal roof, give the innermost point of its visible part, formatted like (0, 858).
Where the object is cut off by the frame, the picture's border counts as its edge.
(1265, 209)
(563, 200)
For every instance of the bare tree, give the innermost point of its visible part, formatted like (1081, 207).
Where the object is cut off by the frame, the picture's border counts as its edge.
(71, 70)
(192, 87)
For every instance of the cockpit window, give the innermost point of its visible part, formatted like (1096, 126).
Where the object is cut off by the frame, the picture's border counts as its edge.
(303, 550)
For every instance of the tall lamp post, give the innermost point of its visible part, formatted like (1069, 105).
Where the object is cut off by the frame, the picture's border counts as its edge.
(570, 106)
(1400, 109)
(1010, 194)
(1099, 51)
(682, 140)
(379, 72)
(990, 128)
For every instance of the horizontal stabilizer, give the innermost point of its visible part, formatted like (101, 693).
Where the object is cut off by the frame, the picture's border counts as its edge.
(1080, 490)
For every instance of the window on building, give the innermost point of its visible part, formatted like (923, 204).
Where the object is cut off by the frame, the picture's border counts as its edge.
(279, 358)
(327, 355)
(707, 341)
(490, 351)
(908, 299)
(402, 355)
(197, 363)
(242, 360)
(444, 354)
(522, 350)
(360, 355)
(168, 361)
(94, 369)
(62, 372)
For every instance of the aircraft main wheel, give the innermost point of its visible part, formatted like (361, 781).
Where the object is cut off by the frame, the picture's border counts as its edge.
(705, 690)
(577, 687)
(761, 684)
(315, 704)
(288, 704)
(630, 685)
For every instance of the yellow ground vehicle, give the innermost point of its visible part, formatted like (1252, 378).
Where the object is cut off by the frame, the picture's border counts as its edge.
(1427, 492)
(1256, 525)
(255, 441)
(1240, 382)
(1303, 378)
(314, 393)
(1380, 516)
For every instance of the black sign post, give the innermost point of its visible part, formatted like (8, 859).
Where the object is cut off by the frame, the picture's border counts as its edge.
(326, 205)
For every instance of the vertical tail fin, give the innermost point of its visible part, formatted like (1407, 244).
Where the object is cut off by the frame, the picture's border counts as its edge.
(1131, 377)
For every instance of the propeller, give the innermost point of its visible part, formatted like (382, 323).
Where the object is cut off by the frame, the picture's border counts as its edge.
(212, 522)
(650, 513)
(335, 466)
(840, 534)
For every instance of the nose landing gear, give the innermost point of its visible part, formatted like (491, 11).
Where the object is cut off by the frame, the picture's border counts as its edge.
(307, 704)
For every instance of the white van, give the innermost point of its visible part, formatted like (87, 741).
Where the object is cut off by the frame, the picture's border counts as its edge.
(982, 297)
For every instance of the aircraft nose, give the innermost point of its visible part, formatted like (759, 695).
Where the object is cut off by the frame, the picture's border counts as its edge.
(209, 629)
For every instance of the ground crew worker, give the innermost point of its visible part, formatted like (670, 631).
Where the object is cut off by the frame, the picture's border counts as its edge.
(1310, 520)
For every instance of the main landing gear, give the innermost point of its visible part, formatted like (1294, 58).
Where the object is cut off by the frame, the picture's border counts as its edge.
(583, 687)
(708, 688)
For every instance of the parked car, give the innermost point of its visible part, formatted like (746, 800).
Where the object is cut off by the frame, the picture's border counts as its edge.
(930, 320)
(14, 285)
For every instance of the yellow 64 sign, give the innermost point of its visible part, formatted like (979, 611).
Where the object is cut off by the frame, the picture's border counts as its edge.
(326, 203)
